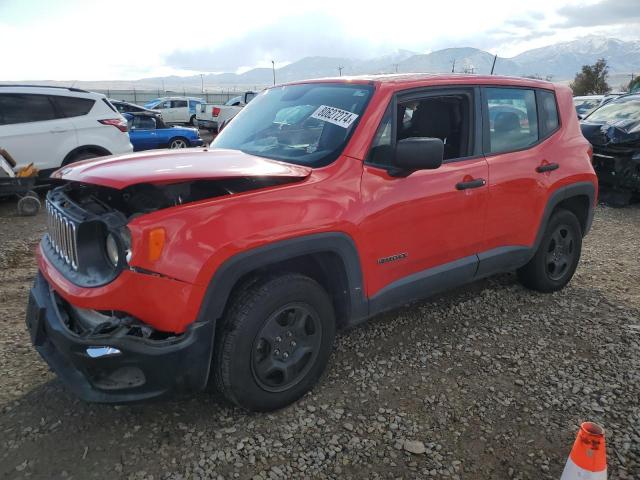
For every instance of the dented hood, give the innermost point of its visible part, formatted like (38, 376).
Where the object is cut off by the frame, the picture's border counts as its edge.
(169, 166)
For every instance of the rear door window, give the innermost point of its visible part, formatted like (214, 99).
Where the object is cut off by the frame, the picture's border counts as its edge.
(513, 119)
(178, 103)
(25, 108)
(72, 106)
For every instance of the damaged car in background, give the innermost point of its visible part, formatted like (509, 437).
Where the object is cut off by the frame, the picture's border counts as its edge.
(614, 132)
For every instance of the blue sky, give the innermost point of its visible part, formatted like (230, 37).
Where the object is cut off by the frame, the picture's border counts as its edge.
(98, 40)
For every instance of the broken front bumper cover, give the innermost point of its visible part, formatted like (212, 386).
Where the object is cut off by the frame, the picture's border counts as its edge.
(107, 368)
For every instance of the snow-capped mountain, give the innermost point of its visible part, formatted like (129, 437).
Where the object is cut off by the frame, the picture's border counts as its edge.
(560, 61)
(563, 60)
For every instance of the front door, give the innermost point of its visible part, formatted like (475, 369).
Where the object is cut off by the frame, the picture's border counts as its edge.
(429, 224)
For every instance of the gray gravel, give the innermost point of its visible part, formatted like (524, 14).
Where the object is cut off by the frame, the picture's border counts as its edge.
(488, 381)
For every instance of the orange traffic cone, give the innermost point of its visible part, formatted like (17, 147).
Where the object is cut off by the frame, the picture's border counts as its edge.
(588, 459)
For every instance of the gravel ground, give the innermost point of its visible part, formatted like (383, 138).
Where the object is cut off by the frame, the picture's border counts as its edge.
(487, 381)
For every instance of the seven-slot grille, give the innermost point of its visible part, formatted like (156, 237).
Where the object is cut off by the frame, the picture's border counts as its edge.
(62, 236)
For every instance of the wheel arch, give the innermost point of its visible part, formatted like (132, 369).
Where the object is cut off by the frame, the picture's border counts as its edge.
(100, 151)
(329, 258)
(579, 198)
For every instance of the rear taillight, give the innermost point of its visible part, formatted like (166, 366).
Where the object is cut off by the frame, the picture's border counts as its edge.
(215, 111)
(115, 122)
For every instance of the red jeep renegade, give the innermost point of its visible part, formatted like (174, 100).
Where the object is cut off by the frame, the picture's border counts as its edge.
(322, 204)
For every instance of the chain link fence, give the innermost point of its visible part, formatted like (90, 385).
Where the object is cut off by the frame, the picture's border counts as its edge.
(140, 97)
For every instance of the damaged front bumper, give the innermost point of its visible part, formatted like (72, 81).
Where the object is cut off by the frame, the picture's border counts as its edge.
(617, 167)
(123, 365)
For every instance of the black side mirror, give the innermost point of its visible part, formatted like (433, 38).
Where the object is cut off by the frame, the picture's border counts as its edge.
(418, 153)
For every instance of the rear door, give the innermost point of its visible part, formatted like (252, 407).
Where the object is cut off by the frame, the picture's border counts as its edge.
(428, 225)
(519, 172)
(32, 131)
(180, 111)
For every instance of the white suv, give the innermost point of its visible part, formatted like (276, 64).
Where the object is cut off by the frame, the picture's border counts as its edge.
(53, 126)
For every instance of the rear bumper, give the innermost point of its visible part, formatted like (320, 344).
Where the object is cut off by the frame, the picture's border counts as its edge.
(130, 368)
(208, 124)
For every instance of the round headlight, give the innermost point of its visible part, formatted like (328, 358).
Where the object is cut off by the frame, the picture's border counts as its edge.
(113, 253)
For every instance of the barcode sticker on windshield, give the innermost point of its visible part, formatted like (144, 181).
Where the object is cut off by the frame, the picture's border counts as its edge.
(342, 118)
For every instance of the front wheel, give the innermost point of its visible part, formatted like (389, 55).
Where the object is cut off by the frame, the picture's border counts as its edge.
(194, 121)
(178, 143)
(274, 343)
(558, 255)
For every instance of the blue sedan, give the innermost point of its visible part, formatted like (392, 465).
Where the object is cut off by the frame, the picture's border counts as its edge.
(148, 131)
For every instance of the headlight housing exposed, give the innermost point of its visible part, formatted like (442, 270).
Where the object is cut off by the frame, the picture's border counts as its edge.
(117, 246)
(112, 249)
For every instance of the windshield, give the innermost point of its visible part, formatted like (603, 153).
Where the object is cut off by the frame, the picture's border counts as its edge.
(306, 124)
(585, 106)
(623, 109)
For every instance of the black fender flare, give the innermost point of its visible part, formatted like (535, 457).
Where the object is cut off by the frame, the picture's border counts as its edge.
(237, 266)
(561, 194)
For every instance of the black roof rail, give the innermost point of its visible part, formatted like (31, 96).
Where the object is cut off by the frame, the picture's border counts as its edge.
(71, 89)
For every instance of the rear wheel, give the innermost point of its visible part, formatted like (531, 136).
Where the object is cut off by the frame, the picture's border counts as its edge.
(274, 343)
(558, 255)
(81, 156)
(178, 143)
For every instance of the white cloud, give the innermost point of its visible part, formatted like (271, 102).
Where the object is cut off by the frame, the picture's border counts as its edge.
(126, 39)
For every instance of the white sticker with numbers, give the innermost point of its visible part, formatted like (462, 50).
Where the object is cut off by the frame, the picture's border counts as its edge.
(342, 118)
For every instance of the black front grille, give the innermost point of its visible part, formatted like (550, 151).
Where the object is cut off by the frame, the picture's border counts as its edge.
(62, 235)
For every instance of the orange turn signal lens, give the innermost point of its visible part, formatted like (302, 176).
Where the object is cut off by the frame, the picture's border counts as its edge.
(155, 243)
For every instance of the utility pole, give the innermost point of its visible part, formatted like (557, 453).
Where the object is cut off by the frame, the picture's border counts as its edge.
(163, 90)
(453, 66)
(273, 68)
(202, 82)
(340, 67)
(396, 65)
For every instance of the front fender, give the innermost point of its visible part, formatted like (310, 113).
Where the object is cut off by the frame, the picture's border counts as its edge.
(234, 268)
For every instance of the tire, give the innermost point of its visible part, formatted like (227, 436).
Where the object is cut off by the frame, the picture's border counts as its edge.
(81, 156)
(178, 142)
(193, 121)
(557, 257)
(28, 206)
(274, 342)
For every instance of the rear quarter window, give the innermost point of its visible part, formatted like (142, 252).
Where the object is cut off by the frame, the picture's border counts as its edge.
(548, 113)
(72, 106)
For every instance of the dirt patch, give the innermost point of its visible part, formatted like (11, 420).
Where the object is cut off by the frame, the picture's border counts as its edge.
(488, 381)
